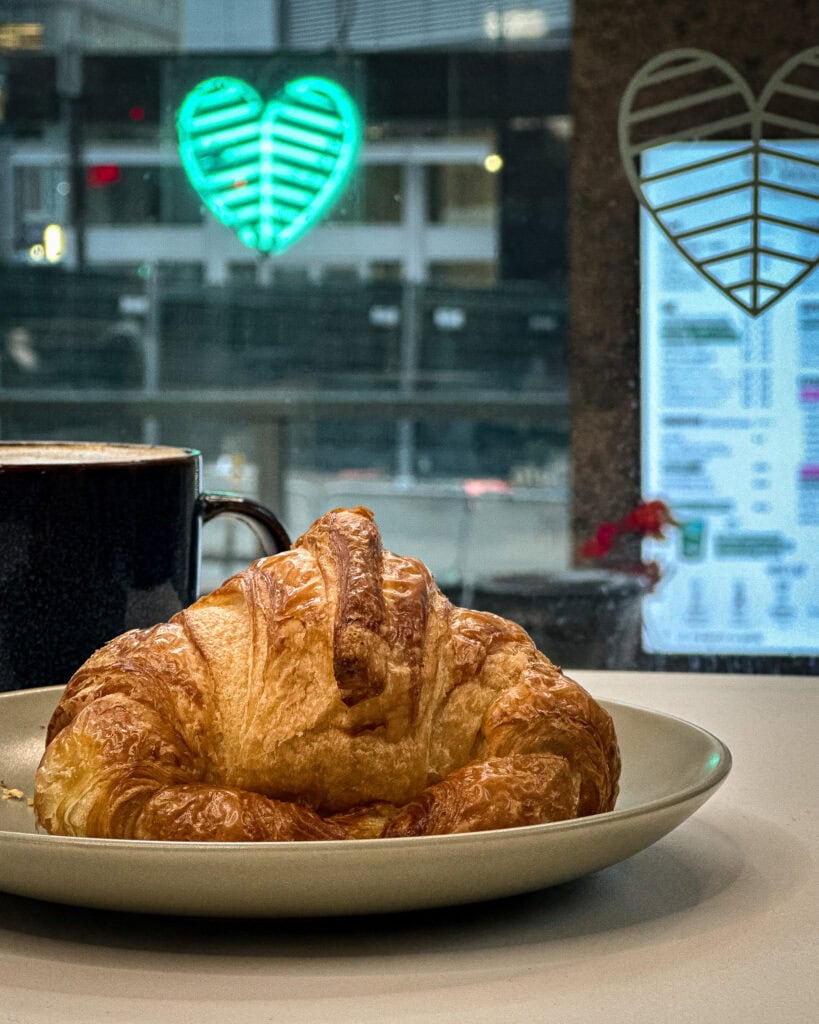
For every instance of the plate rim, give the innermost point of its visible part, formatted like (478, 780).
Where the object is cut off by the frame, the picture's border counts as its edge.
(196, 848)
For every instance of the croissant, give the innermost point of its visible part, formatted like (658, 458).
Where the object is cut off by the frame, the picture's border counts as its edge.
(328, 692)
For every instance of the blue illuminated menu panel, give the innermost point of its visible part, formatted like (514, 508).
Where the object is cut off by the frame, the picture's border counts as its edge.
(730, 417)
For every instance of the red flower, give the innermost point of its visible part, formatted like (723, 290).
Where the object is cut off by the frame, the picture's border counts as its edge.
(601, 542)
(649, 519)
(594, 549)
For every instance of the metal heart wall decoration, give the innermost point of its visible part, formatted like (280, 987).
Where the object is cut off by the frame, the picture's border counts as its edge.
(741, 202)
(270, 170)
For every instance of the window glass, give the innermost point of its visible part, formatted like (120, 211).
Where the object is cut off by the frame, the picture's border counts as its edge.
(139, 194)
(407, 352)
(464, 193)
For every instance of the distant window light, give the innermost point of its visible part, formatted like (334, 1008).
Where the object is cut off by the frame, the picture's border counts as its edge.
(543, 323)
(53, 243)
(101, 175)
(384, 316)
(561, 125)
(134, 305)
(449, 318)
(518, 23)
(26, 35)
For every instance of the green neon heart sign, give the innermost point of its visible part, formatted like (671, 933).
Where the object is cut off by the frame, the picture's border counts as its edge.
(270, 170)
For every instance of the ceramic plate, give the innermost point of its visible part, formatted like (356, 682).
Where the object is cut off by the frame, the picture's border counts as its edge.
(670, 768)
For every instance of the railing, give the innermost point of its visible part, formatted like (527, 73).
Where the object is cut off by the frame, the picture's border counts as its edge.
(271, 410)
(412, 367)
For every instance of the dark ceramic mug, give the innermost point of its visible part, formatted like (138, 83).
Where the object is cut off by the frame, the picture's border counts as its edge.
(96, 539)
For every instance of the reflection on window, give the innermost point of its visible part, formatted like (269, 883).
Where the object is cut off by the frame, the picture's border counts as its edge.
(139, 195)
(462, 194)
(390, 358)
(26, 35)
(475, 274)
(375, 197)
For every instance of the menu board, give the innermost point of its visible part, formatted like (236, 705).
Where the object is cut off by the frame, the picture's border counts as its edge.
(730, 438)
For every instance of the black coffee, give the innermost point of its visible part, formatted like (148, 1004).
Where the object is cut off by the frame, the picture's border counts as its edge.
(50, 453)
(96, 539)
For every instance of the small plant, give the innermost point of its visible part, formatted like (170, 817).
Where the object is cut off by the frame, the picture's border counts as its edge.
(648, 519)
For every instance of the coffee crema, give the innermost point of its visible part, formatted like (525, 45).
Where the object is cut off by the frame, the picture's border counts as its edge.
(82, 453)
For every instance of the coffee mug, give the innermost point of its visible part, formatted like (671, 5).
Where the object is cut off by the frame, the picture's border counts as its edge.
(97, 539)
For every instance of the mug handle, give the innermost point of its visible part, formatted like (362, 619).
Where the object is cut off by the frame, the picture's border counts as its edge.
(269, 531)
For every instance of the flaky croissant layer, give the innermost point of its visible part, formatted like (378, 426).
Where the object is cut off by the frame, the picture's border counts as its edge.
(328, 692)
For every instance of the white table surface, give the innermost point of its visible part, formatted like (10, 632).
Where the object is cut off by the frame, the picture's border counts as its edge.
(716, 922)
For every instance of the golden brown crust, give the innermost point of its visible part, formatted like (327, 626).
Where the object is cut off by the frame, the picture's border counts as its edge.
(328, 692)
(500, 792)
